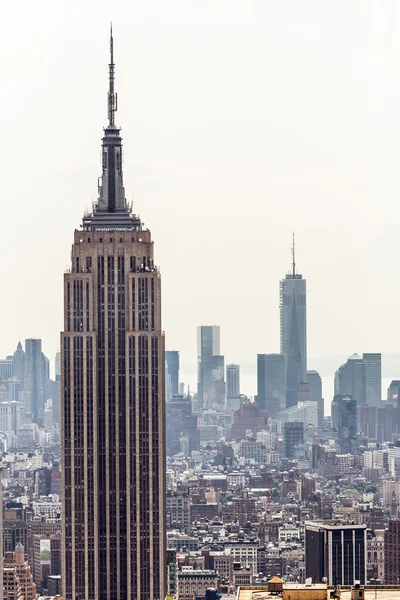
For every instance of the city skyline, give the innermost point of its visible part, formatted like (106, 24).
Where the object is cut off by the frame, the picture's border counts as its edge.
(270, 196)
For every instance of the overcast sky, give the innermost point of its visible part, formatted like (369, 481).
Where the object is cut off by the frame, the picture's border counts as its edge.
(242, 121)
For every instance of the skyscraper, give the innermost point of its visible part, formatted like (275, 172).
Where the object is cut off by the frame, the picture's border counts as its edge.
(232, 381)
(314, 379)
(344, 420)
(335, 551)
(271, 383)
(293, 435)
(19, 365)
(210, 368)
(372, 379)
(293, 331)
(113, 413)
(392, 552)
(349, 379)
(36, 374)
(172, 361)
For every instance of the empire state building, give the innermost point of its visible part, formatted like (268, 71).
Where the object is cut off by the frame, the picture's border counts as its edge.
(113, 416)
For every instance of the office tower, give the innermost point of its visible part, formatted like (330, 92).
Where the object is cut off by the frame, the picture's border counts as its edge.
(392, 552)
(57, 365)
(314, 379)
(349, 378)
(293, 319)
(19, 366)
(172, 360)
(179, 420)
(372, 379)
(210, 368)
(271, 383)
(55, 394)
(393, 391)
(6, 368)
(344, 420)
(293, 435)
(113, 399)
(36, 377)
(232, 381)
(377, 422)
(5, 416)
(335, 551)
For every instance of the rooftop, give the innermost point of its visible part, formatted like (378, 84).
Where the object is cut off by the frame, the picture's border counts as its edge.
(261, 592)
(371, 592)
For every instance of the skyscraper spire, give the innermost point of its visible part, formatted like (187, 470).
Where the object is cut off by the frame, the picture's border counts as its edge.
(111, 209)
(112, 96)
(294, 258)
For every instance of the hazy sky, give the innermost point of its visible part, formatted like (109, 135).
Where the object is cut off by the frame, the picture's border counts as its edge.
(242, 121)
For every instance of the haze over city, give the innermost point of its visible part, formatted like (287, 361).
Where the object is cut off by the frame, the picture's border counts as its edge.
(277, 116)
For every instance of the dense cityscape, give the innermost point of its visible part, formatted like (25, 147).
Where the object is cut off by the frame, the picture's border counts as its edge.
(120, 482)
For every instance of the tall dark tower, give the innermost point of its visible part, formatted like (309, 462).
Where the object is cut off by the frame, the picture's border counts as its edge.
(113, 391)
(293, 331)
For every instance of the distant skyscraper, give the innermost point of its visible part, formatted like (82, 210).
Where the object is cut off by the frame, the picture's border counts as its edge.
(344, 420)
(293, 435)
(314, 379)
(393, 392)
(271, 383)
(37, 375)
(372, 379)
(19, 365)
(172, 360)
(113, 402)
(293, 331)
(210, 368)
(58, 365)
(335, 551)
(233, 381)
(349, 379)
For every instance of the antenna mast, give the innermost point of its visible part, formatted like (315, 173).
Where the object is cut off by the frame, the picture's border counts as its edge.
(294, 258)
(112, 96)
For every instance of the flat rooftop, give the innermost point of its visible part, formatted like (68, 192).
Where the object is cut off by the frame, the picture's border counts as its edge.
(380, 592)
(261, 592)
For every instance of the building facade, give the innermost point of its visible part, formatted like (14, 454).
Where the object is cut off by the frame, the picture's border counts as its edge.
(372, 379)
(293, 435)
(232, 381)
(113, 393)
(172, 372)
(335, 551)
(315, 382)
(293, 327)
(344, 420)
(210, 368)
(271, 383)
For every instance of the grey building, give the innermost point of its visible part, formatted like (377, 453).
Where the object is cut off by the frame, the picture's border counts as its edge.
(293, 331)
(172, 362)
(349, 379)
(271, 383)
(232, 381)
(36, 378)
(335, 551)
(210, 368)
(372, 379)
(344, 420)
(293, 435)
(315, 382)
(19, 366)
